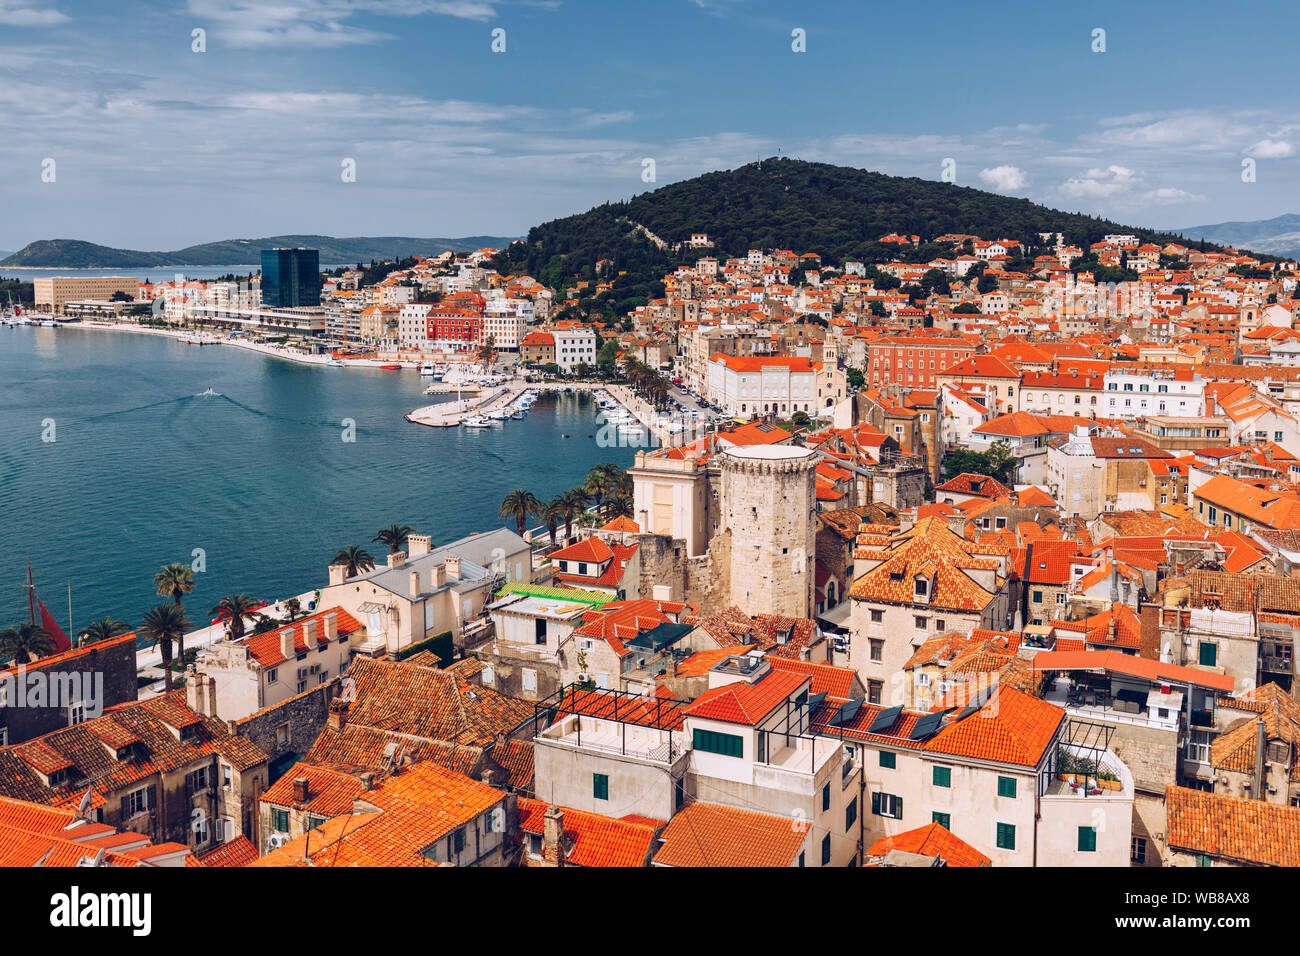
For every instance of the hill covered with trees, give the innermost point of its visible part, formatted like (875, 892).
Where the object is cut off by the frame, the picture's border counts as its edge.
(836, 211)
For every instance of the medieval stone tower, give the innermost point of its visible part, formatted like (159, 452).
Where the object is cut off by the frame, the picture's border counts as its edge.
(769, 499)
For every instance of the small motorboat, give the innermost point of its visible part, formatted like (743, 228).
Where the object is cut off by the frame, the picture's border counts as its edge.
(209, 391)
(476, 423)
(334, 363)
(390, 368)
(426, 368)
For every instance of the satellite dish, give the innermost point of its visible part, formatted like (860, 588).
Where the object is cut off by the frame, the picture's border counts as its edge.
(275, 841)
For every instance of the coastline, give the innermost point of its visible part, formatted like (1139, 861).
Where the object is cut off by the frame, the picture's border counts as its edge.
(289, 355)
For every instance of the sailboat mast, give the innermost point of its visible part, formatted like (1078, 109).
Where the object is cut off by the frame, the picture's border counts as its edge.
(31, 595)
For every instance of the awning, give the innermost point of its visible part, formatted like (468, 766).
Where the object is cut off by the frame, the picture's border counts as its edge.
(837, 618)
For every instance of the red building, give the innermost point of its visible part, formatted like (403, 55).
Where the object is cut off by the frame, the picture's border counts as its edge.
(457, 330)
(913, 362)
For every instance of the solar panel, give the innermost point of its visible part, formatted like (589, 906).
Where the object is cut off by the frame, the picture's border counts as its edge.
(847, 711)
(815, 701)
(884, 720)
(926, 726)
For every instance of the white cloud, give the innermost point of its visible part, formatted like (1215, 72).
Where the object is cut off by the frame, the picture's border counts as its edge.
(1167, 195)
(1004, 178)
(1099, 183)
(317, 24)
(1271, 149)
(21, 13)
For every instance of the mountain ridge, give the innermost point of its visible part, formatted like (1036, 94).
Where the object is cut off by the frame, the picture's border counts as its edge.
(79, 254)
(1277, 236)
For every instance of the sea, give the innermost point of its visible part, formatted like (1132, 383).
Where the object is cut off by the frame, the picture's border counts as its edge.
(113, 462)
(153, 274)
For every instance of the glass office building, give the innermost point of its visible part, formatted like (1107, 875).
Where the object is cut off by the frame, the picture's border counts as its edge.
(290, 278)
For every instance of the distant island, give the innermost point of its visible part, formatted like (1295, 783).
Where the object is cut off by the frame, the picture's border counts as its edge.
(77, 254)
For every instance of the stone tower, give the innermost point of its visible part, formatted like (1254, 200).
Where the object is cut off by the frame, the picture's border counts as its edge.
(769, 499)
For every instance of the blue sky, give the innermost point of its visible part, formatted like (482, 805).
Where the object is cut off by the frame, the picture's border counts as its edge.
(158, 147)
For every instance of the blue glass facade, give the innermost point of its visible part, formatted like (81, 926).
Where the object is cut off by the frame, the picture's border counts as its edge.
(290, 277)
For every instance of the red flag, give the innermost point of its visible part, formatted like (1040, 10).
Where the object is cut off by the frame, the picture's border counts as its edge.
(51, 627)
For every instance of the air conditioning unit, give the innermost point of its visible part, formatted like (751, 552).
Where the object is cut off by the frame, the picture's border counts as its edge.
(275, 841)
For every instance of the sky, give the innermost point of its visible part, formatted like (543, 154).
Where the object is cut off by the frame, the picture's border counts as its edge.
(157, 146)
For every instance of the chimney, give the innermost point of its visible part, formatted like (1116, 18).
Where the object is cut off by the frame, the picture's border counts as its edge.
(415, 584)
(287, 643)
(552, 831)
(367, 781)
(437, 576)
(396, 558)
(331, 626)
(338, 573)
(453, 569)
(301, 790)
(309, 633)
(194, 698)
(1260, 791)
(417, 544)
(338, 716)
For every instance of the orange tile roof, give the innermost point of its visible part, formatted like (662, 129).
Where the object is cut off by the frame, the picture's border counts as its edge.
(1012, 727)
(931, 840)
(928, 549)
(744, 703)
(268, 648)
(1233, 828)
(597, 840)
(713, 835)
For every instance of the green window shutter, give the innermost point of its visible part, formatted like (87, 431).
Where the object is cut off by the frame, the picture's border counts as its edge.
(712, 742)
(888, 760)
(826, 797)
(280, 821)
(943, 819)
(898, 808)
(943, 776)
(1006, 836)
(460, 840)
(875, 804)
(1087, 839)
(600, 786)
(1209, 654)
(851, 814)
(1006, 786)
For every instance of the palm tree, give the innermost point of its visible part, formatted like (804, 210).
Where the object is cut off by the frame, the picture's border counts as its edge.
(175, 581)
(519, 504)
(553, 514)
(233, 610)
(103, 629)
(24, 643)
(597, 485)
(355, 558)
(163, 624)
(575, 503)
(292, 607)
(394, 536)
(618, 506)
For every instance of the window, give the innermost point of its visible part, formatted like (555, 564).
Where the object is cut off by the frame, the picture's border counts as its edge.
(942, 776)
(76, 712)
(874, 690)
(1006, 786)
(877, 617)
(887, 805)
(458, 840)
(1202, 860)
(1005, 836)
(921, 623)
(600, 785)
(136, 802)
(272, 675)
(851, 814)
(877, 649)
(311, 823)
(826, 850)
(729, 745)
(1037, 597)
(282, 735)
(888, 760)
(200, 830)
(943, 819)
(801, 860)
(539, 631)
(226, 777)
(1137, 850)
(1209, 654)
(826, 798)
(1087, 839)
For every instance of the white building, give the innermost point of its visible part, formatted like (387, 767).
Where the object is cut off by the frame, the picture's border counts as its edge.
(779, 385)
(1128, 394)
(575, 346)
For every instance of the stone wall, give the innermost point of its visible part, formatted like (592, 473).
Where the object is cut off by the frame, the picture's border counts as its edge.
(290, 727)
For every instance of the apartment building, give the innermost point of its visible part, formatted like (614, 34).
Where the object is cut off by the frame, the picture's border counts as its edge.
(52, 293)
(769, 385)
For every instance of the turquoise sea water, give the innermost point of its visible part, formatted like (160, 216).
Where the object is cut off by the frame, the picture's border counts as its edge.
(144, 469)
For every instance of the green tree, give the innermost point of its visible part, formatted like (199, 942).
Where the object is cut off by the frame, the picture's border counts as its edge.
(164, 624)
(233, 610)
(25, 643)
(575, 503)
(355, 559)
(394, 536)
(855, 378)
(175, 581)
(293, 607)
(519, 504)
(102, 630)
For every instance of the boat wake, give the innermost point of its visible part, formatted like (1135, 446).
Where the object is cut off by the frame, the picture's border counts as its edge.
(209, 392)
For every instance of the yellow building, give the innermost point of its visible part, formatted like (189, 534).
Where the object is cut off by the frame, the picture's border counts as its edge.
(54, 292)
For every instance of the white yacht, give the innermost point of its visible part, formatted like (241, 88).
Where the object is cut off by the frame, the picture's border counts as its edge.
(476, 423)
(426, 368)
